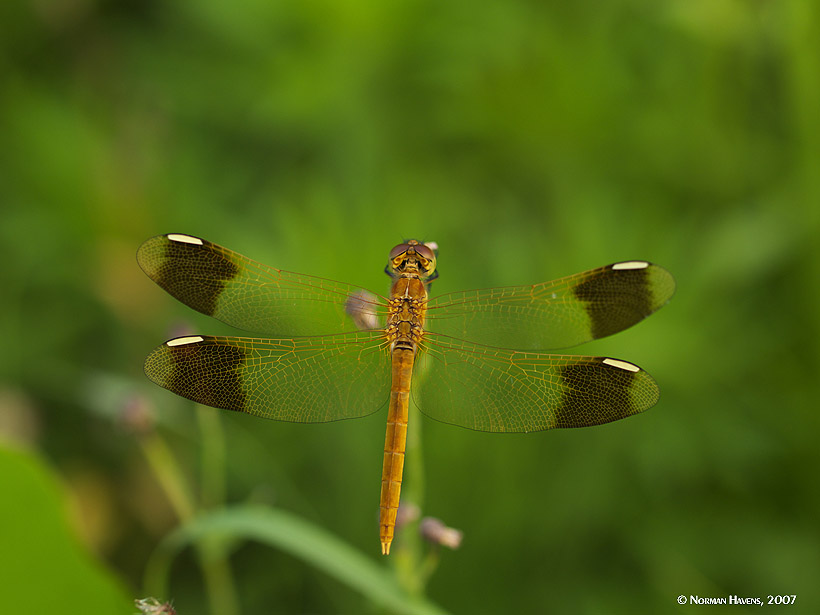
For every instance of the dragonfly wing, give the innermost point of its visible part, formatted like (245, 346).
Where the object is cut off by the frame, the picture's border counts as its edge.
(499, 390)
(303, 380)
(249, 295)
(556, 314)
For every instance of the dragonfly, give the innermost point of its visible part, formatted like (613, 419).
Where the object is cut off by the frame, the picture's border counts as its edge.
(476, 359)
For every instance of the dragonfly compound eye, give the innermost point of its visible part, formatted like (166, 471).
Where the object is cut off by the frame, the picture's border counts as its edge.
(398, 251)
(425, 252)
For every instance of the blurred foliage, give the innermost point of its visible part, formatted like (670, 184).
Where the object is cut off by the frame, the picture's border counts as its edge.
(530, 140)
(285, 531)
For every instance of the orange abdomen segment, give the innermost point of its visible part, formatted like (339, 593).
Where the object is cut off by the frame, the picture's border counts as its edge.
(395, 442)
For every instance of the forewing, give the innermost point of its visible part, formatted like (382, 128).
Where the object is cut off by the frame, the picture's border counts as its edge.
(498, 390)
(249, 295)
(303, 380)
(556, 314)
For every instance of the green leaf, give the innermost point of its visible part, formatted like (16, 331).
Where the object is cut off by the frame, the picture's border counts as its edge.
(282, 530)
(43, 568)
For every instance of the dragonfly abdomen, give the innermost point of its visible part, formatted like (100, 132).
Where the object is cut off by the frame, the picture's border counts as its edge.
(395, 442)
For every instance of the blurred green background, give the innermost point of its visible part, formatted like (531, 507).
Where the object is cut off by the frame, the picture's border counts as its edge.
(531, 140)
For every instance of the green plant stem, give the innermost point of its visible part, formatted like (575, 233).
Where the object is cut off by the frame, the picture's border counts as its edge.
(169, 475)
(413, 568)
(219, 583)
(211, 554)
(213, 457)
(414, 459)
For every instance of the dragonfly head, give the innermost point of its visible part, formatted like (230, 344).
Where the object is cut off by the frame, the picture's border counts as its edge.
(413, 257)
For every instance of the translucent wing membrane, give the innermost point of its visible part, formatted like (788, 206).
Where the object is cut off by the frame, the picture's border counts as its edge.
(499, 390)
(556, 314)
(252, 296)
(477, 384)
(303, 380)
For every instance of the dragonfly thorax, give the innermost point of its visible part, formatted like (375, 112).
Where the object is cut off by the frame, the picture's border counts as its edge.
(405, 311)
